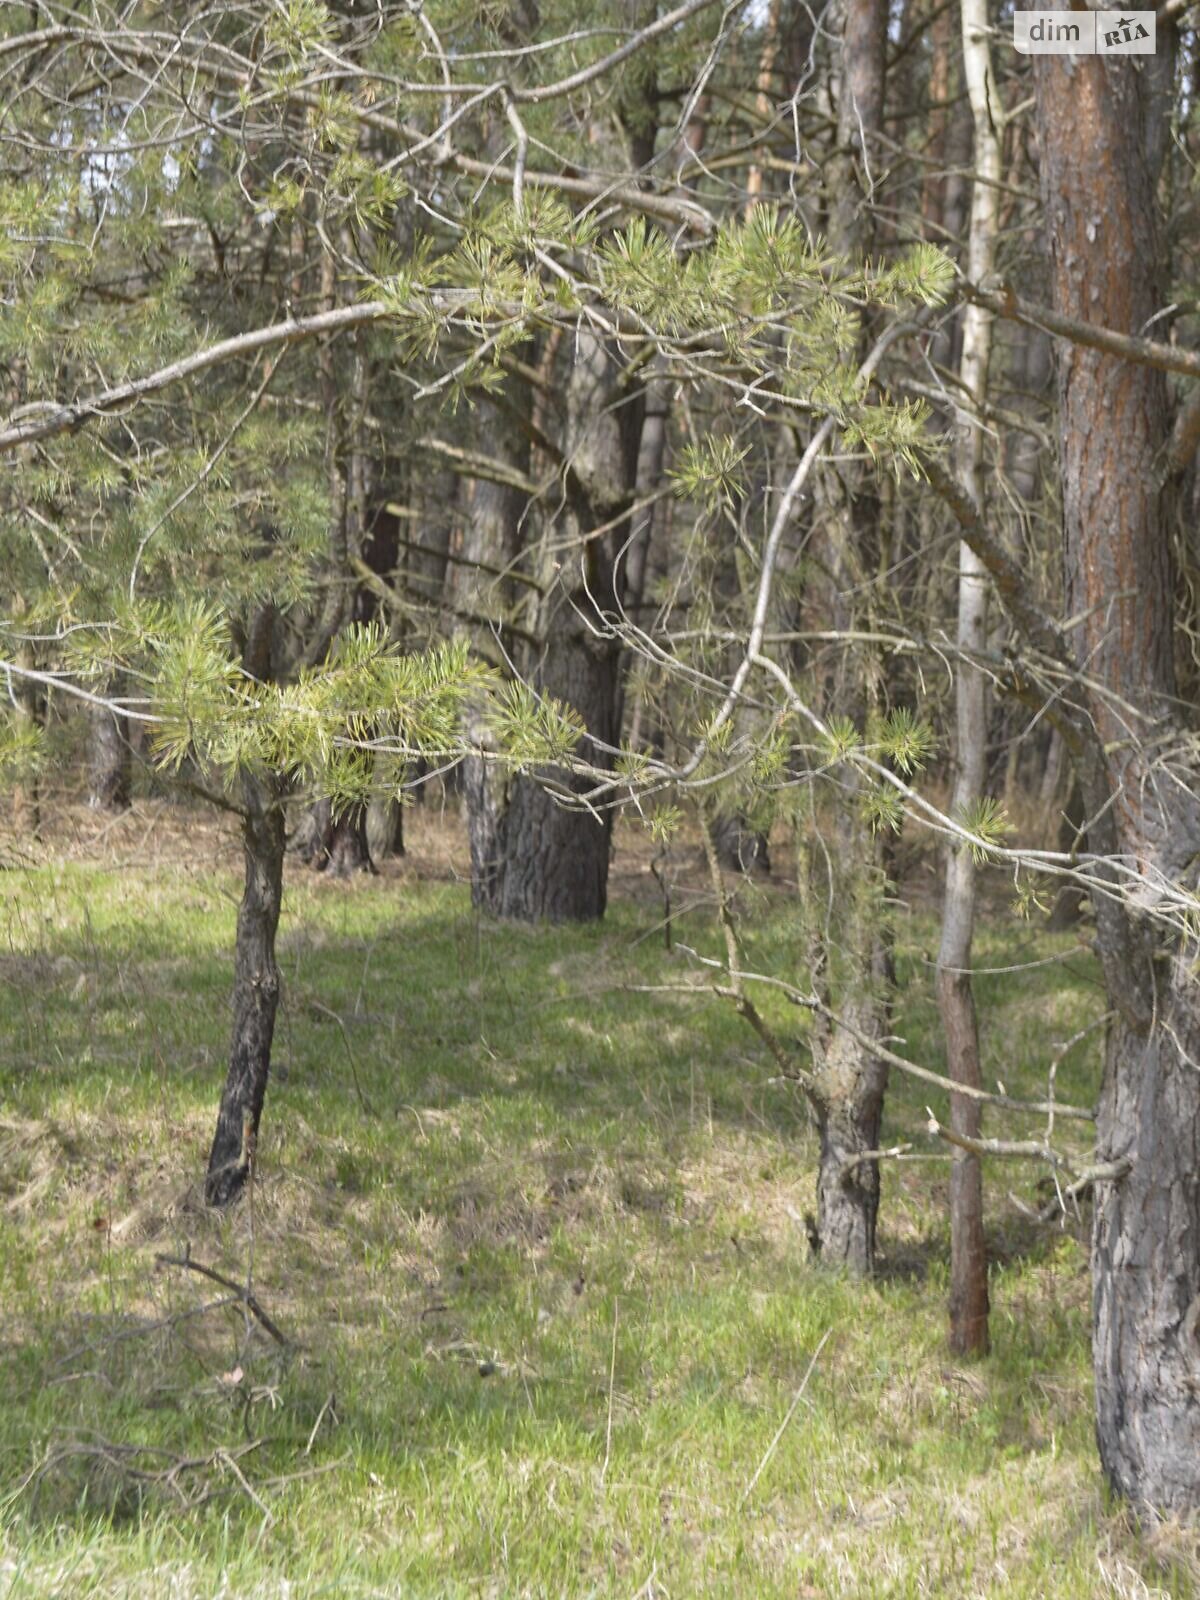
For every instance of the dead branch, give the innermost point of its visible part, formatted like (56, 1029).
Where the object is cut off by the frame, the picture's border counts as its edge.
(246, 1296)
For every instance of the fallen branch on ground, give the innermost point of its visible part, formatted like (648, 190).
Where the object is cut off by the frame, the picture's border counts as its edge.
(246, 1296)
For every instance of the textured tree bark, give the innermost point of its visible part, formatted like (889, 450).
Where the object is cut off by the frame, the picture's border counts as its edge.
(739, 847)
(337, 846)
(853, 1083)
(556, 859)
(497, 528)
(1099, 137)
(255, 993)
(556, 856)
(108, 760)
(485, 795)
(348, 851)
(843, 884)
(1146, 1282)
(969, 1303)
(385, 827)
(956, 1001)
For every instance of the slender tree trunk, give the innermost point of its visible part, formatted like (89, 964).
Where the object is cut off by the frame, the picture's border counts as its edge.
(485, 794)
(853, 1083)
(968, 1251)
(1051, 787)
(255, 993)
(764, 98)
(29, 714)
(1099, 129)
(1068, 902)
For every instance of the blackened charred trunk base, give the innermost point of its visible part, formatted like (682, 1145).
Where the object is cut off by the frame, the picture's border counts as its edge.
(255, 994)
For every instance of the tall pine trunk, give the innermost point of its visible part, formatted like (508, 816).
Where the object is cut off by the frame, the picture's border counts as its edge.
(850, 948)
(956, 1001)
(1100, 133)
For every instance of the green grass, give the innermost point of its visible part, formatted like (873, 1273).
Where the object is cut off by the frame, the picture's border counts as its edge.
(538, 1244)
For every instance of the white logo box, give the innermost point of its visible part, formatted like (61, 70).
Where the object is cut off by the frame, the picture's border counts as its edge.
(1084, 33)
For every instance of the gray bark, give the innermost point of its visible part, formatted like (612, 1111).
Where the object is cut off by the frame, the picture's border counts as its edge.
(739, 847)
(108, 759)
(849, 954)
(496, 530)
(556, 856)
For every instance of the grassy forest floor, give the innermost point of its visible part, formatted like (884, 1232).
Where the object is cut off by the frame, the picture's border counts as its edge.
(536, 1243)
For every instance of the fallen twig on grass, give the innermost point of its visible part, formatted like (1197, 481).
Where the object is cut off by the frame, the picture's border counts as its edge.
(132, 1461)
(782, 1428)
(612, 1374)
(193, 1480)
(326, 1011)
(247, 1298)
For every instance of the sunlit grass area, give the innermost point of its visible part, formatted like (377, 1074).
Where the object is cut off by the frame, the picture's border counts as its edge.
(535, 1241)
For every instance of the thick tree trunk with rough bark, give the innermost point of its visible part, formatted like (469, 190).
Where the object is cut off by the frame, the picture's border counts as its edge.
(1099, 127)
(853, 1083)
(255, 993)
(556, 854)
(739, 847)
(1146, 1254)
(337, 846)
(108, 760)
